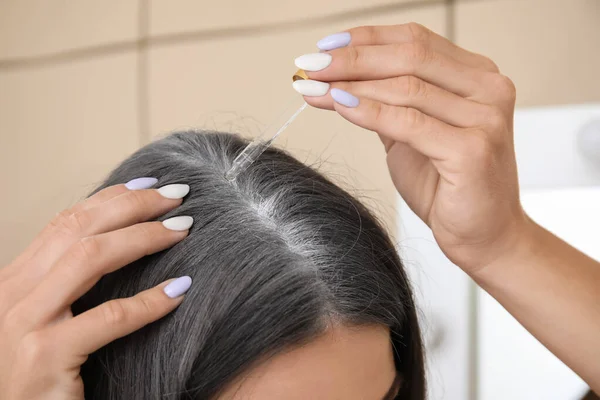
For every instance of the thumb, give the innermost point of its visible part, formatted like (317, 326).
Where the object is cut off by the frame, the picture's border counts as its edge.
(414, 176)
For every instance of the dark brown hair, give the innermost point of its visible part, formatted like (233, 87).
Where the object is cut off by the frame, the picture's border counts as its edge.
(274, 256)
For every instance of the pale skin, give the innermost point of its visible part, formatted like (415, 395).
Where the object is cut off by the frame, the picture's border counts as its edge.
(344, 363)
(42, 345)
(445, 117)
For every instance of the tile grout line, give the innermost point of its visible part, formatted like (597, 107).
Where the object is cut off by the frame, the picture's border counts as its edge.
(450, 20)
(473, 296)
(142, 73)
(287, 26)
(473, 304)
(200, 35)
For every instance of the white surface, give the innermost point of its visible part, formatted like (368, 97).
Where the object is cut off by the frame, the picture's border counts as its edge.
(309, 87)
(510, 364)
(180, 223)
(174, 191)
(313, 61)
(442, 292)
(547, 147)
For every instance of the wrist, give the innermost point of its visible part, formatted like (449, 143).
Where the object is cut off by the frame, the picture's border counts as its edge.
(521, 246)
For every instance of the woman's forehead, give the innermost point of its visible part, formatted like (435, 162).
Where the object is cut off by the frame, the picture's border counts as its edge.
(343, 363)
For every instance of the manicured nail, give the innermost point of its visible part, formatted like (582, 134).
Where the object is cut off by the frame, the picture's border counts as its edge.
(141, 183)
(344, 98)
(176, 191)
(313, 62)
(334, 41)
(178, 287)
(311, 88)
(181, 223)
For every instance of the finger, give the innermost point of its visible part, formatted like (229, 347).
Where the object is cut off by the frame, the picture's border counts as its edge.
(91, 258)
(114, 319)
(368, 63)
(98, 198)
(408, 91)
(128, 208)
(429, 136)
(414, 176)
(113, 209)
(416, 33)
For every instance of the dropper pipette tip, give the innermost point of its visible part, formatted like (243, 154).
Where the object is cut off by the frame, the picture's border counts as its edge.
(255, 148)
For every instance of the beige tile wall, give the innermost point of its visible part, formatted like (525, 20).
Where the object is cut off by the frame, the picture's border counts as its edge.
(61, 130)
(39, 27)
(70, 92)
(180, 16)
(246, 82)
(550, 48)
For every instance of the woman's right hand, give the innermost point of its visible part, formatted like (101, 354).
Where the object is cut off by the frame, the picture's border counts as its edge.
(42, 345)
(445, 116)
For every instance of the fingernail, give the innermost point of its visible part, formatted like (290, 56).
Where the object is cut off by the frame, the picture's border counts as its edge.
(313, 62)
(181, 223)
(175, 191)
(344, 98)
(178, 287)
(141, 183)
(311, 88)
(334, 41)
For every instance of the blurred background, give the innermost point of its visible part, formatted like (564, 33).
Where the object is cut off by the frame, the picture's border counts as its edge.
(85, 83)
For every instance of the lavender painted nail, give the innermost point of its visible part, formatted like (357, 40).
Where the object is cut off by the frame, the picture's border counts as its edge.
(334, 41)
(344, 98)
(178, 287)
(141, 183)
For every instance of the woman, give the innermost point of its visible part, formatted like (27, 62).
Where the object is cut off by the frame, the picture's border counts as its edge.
(445, 117)
(296, 291)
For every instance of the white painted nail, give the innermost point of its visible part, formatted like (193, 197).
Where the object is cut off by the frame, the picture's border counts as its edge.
(311, 88)
(181, 223)
(176, 191)
(313, 62)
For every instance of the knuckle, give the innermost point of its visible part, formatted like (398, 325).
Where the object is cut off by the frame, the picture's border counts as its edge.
(86, 249)
(8, 294)
(137, 200)
(63, 222)
(495, 119)
(4, 301)
(62, 216)
(379, 114)
(413, 117)
(505, 87)
(148, 305)
(417, 54)
(353, 58)
(479, 150)
(114, 313)
(33, 348)
(146, 236)
(12, 318)
(79, 221)
(417, 32)
(489, 64)
(413, 87)
(368, 32)
(145, 232)
(510, 88)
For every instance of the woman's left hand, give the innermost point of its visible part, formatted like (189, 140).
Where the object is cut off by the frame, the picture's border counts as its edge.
(42, 345)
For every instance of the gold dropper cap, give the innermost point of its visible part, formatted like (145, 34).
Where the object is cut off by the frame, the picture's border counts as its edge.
(299, 75)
